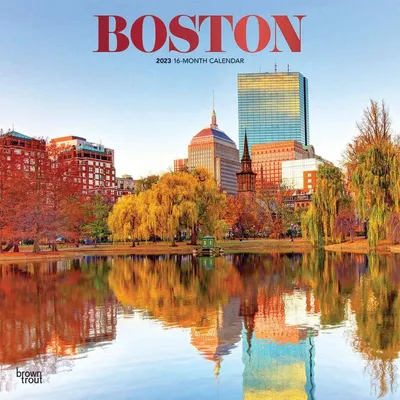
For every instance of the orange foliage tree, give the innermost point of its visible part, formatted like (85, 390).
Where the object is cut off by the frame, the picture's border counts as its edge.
(243, 215)
(39, 200)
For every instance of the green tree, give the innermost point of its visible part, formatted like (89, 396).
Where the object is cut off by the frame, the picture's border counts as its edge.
(146, 183)
(372, 161)
(330, 195)
(98, 213)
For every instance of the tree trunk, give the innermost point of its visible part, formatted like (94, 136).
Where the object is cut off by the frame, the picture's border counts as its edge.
(95, 242)
(8, 247)
(16, 248)
(193, 236)
(36, 247)
(173, 243)
(133, 243)
(54, 246)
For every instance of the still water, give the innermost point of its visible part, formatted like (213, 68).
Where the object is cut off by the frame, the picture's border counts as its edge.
(295, 326)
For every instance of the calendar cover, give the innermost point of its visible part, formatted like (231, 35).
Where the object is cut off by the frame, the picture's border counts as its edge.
(199, 199)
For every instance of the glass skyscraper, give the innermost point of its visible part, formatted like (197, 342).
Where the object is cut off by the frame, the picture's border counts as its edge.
(273, 107)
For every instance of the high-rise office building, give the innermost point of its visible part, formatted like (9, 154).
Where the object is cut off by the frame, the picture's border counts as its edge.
(273, 107)
(215, 151)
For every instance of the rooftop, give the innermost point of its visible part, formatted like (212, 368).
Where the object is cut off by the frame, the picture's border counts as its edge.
(16, 135)
(65, 138)
(206, 132)
(87, 146)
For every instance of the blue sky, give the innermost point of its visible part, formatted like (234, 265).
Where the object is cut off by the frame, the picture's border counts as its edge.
(52, 83)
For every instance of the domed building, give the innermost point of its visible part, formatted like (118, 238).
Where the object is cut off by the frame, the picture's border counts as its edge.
(217, 152)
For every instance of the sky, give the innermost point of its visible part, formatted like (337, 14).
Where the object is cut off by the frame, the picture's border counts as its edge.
(53, 83)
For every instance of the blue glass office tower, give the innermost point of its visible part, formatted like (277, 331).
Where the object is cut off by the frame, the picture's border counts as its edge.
(273, 107)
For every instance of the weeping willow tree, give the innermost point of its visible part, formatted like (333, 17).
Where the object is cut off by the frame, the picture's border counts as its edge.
(311, 226)
(124, 219)
(373, 189)
(372, 161)
(174, 197)
(319, 222)
(210, 206)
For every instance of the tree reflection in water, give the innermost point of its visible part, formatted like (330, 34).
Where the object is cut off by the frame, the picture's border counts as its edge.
(51, 313)
(179, 292)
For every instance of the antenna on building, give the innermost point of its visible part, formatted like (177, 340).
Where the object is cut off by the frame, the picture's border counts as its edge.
(213, 101)
(275, 67)
(288, 68)
(13, 126)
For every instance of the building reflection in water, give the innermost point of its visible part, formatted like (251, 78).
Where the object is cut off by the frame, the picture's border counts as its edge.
(278, 353)
(217, 338)
(275, 305)
(52, 310)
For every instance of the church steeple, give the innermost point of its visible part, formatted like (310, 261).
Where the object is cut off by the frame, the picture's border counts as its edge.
(246, 178)
(246, 160)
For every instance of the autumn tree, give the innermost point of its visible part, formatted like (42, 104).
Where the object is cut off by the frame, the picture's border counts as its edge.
(393, 228)
(241, 215)
(374, 130)
(210, 205)
(346, 224)
(174, 197)
(330, 194)
(373, 162)
(125, 219)
(63, 189)
(13, 200)
(278, 215)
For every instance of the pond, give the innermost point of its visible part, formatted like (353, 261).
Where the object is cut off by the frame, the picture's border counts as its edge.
(250, 326)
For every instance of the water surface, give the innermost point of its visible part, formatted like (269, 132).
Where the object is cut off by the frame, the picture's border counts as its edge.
(294, 326)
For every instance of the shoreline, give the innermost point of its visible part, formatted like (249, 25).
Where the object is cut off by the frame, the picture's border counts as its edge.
(261, 246)
(183, 248)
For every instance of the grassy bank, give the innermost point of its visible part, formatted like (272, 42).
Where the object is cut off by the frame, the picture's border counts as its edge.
(359, 245)
(230, 247)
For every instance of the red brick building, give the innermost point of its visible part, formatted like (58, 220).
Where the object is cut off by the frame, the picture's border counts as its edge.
(267, 160)
(96, 171)
(96, 162)
(96, 167)
(20, 152)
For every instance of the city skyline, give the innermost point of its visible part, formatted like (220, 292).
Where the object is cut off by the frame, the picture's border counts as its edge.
(54, 85)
